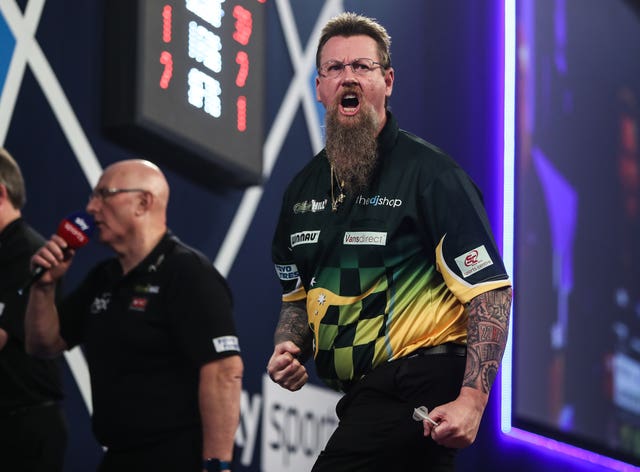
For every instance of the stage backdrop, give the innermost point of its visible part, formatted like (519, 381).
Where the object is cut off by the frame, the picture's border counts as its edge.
(447, 57)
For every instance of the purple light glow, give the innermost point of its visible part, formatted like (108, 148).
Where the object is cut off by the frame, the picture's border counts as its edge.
(506, 48)
(568, 450)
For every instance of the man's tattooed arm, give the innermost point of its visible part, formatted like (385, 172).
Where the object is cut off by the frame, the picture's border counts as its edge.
(293, 325)
(487, 337)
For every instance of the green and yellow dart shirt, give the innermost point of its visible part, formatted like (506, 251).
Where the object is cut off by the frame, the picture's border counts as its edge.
(389, 272)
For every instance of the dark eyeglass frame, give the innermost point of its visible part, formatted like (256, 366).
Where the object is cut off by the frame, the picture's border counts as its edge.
(361, 66)
(105, 192)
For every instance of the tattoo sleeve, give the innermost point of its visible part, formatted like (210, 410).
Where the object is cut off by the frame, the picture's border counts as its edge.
(487, 337)
(293, 326)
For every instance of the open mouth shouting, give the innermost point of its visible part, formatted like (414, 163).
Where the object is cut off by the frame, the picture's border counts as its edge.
(350, 103)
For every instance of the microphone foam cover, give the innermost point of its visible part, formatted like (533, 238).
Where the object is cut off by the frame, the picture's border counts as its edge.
(76, 229)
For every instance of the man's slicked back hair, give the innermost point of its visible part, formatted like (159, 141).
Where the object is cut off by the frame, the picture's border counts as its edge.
(351, 24)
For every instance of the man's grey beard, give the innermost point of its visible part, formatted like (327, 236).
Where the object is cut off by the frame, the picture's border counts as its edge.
(352, 149)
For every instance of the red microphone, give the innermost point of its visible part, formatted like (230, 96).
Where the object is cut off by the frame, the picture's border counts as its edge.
(76, 230)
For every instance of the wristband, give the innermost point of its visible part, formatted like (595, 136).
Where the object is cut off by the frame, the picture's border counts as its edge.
(213, 464)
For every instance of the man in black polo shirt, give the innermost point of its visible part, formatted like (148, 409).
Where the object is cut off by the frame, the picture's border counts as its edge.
(390, 274)
(33, 433)
(157, 330)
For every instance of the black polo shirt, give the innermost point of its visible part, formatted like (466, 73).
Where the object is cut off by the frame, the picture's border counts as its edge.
(390, 271)
(145, 336)
(24, 380)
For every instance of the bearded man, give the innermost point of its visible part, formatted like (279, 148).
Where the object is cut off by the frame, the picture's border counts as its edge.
(391, 277)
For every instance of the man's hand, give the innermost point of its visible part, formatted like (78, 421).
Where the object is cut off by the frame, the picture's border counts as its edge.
(285, 369)
(55, 257)
(458, 421)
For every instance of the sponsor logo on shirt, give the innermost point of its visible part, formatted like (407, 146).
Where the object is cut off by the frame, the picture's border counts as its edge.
(313, 206)
(100, 303)
(304, 237)
(377, 200)
(138, 303)
(287, 272)
(365, 238)
(226, 344)
(155, 289)
(473, 261)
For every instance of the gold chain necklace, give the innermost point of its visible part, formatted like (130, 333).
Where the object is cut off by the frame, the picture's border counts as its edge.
(336, 201)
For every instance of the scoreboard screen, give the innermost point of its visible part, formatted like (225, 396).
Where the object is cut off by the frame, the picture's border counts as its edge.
(184, 85)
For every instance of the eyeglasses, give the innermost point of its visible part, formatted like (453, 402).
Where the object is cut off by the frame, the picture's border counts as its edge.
(103, 192)
(361, 66)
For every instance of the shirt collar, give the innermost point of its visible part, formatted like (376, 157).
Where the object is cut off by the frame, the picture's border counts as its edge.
(388, 135)
(11, 229)
(156, 257)
(152, 262)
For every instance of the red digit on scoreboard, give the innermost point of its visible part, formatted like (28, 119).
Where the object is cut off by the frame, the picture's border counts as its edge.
(242, 59)
(244, 25)
(167, 15)
(241, 107)
(167, 60)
